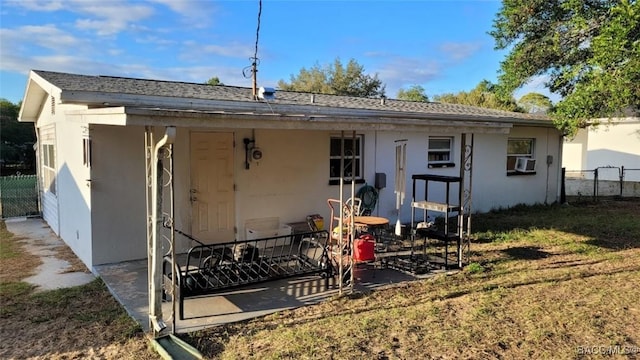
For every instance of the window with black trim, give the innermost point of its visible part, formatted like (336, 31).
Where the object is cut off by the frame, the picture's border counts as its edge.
(349, 158)
(522, 148)
(440, 152)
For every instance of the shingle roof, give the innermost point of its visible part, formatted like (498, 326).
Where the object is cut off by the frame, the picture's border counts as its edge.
(174, 89)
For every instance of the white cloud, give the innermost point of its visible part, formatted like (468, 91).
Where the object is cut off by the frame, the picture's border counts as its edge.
(235, 50)
(110, 17)
(37, 5)
(45, 36)
(404, 72)
(376, 54)
(537, 84)
(194, 51)
(458, 51)
(197, 13)
(104, 17)
(158, 41)
(63, 63)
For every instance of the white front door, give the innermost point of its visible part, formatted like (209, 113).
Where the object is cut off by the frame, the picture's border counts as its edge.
(212, 193)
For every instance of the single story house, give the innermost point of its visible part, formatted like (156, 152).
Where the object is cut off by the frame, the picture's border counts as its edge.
(240, 157)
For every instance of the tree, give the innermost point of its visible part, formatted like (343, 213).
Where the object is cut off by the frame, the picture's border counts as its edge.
(535, 103)
(335, 79)
(589, 49)
(414, 93)
(16, 140)
(214, 81)
(483, 95)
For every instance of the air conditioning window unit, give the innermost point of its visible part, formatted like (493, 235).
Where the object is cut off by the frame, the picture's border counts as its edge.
(525, 165)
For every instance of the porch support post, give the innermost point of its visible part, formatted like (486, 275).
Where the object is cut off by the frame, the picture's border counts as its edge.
(148, 148)
(352, 225)
(341, 220)
(156, 323)
(464, 218)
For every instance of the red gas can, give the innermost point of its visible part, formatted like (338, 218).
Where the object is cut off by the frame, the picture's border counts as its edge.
(364, 248)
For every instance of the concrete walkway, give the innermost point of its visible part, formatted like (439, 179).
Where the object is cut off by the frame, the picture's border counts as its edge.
(39, 240)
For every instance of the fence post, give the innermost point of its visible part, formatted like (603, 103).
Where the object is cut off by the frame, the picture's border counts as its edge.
(595, 184)
(621, 179)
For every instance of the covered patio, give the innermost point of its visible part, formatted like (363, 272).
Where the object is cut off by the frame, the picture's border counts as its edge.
(128, 283)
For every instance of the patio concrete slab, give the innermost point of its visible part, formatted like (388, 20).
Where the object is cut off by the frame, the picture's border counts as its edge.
(128, 282)
(39, 240)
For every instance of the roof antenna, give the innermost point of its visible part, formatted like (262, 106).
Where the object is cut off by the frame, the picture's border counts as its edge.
(253, 68)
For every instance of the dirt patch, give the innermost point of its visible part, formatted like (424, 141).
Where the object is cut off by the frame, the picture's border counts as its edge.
(75, 264)
(16, 262)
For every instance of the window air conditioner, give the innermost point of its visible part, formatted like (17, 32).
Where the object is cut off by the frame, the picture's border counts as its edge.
(525, 165)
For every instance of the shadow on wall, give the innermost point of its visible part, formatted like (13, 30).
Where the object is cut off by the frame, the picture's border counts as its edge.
(603, 157)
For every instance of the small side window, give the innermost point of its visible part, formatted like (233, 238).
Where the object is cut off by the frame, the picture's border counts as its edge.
(520, 156)
(440, 152)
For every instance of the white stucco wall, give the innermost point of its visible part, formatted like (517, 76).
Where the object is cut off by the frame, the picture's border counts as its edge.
(614, 144)
(493, 189)
(68, 210)
(291, 181)
(73, 190)
(118, 194)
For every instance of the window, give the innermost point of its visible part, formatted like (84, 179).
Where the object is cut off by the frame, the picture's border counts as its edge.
(334, 158)
(440, 152)
(49, 167)
(519, 148)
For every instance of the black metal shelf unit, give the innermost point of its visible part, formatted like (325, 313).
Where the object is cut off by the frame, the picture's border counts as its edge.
(448, 209)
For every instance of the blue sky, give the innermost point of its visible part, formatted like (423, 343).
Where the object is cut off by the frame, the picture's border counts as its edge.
(442, 46)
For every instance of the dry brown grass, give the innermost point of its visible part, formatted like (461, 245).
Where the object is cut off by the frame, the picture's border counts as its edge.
(74, 323)
(75, 264)
(15, 262)
(544, 283)
(536, 291)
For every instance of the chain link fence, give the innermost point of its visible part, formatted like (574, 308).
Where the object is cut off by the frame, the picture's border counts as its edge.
(606, 181)
(18, 195)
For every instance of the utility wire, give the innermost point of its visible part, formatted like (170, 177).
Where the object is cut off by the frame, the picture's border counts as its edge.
(255, 55)
(250, 70)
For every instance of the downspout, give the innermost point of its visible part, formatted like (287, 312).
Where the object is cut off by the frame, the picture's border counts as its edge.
(38, 170)
(560, 179)
(155, 293)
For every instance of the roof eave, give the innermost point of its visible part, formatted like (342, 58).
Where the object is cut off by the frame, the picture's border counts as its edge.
(35, 96)
(221, 119)
(101, 99)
